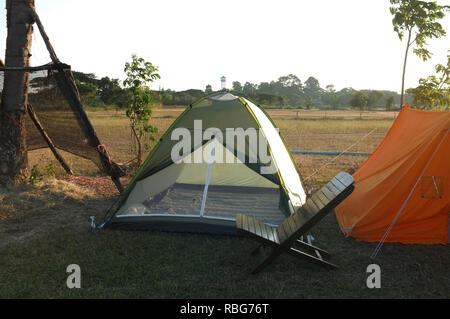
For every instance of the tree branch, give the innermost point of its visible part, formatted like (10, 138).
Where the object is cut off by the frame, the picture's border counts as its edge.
(50, 66)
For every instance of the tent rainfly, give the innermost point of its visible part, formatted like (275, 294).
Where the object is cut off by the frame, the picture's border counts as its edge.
(232, 176)
(402, 191)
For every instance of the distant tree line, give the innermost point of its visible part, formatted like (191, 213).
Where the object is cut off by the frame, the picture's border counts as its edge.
(289, 92)
(106, 92)
(286, 92)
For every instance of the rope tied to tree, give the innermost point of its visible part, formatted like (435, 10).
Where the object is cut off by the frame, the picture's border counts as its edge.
(15, 122)
(101, 148)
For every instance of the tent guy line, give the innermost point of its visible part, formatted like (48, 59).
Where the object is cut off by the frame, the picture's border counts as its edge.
(386, 234)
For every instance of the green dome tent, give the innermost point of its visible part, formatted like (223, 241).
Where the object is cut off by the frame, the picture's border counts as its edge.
(222, 156)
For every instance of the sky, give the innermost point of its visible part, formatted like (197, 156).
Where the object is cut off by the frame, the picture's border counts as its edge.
(347, 43)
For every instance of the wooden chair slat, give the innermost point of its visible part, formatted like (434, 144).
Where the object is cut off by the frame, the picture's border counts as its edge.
(295, 219)
(333, 189)
(316, 200)
(329, 195)
(309, 210)
(258, 231)
(345, 179)
(268, 231)
(275, 235)
(325, 201)
(263, 230)
(281, 232)
(283, 237)
(338, 184)
(310, 207)
(251, 225)
(289, 226)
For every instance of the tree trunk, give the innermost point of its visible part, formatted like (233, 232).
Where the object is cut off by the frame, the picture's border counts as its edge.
(404, 70)
(139, 146)
(13, 148)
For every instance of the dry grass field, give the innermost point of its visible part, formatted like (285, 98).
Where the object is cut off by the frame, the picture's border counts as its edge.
(46, 226)
(302, 130)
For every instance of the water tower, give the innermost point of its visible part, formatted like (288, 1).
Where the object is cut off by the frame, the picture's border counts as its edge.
(223, 82)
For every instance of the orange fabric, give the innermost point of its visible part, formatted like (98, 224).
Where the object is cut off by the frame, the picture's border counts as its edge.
(418, 144)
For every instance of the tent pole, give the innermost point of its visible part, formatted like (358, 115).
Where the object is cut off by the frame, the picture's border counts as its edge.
(208, 177)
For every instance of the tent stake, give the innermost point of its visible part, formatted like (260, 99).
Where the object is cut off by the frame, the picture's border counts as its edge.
(47, 139)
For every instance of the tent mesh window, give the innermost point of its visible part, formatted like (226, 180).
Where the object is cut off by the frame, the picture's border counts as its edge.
(211, 188)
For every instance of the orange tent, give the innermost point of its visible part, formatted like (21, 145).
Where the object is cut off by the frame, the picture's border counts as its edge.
(402, 191)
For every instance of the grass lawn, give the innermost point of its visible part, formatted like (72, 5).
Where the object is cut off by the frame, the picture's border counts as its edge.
(46, 227)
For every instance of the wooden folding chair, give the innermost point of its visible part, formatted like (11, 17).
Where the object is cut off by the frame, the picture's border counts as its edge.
(286, 237)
